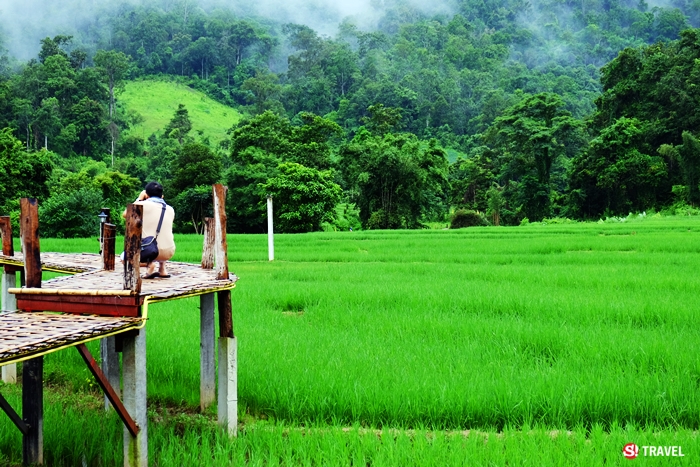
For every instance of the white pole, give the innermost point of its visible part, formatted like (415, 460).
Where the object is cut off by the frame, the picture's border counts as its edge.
(270, 239)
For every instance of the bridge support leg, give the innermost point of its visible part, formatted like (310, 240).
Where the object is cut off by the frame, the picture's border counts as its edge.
(9, 303)
(228, 366)
(110, 365)
(207, 366)
(134, 397)
(228, 385)
(33, 411)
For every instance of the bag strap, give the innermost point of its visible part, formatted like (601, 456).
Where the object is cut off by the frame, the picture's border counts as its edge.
(160, 222)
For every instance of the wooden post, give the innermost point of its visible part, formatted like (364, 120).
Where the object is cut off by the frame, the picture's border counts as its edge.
(108, 352)
(33, 410)
(220, 247)
(29, 233)
(207, 366)
(8, 281)
(6, 234)
(134, 397)
(105, 218)
(209, 239)
(109, 232)
(32, 370)
(227, 407)
(132, 248)
(270, 235)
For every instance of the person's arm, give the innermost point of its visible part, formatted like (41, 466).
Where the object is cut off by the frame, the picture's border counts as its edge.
(142, 196)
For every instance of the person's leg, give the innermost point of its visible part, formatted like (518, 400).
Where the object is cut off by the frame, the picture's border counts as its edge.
(161, 269)
(150, 269)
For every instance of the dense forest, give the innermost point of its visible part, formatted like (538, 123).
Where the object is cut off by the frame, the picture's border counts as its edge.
(498, 112)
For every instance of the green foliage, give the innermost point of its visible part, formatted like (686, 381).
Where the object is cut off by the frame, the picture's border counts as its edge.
(22, 174)
(495, 202)
(528, 139)
(118, 189)
(196, 164)
(70, 215)
(258, 146)
(467, 218)
(506, 86)
(191, 206)
(303, 197)
(689, 158)
(180, 125)
(395, 179)
(617, 174)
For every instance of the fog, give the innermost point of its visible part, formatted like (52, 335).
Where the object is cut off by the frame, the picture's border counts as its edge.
(23, 23)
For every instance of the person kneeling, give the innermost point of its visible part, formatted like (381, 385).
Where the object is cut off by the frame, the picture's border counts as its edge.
(154, 207)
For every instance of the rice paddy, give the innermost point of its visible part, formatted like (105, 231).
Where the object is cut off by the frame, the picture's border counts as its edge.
(538, 345)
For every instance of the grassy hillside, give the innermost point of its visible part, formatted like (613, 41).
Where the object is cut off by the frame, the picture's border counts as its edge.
(156, 102)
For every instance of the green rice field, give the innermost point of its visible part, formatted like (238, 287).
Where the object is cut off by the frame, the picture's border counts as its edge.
(533, 345)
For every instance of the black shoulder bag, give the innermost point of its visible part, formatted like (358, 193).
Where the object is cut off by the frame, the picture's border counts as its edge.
(149, 245)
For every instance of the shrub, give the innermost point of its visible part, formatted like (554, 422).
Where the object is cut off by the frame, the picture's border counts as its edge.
(467, 218)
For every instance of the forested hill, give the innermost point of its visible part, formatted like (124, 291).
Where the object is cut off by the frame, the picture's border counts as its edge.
(354, 126)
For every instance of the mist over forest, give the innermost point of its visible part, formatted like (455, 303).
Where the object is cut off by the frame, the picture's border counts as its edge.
(25, 23)
(396, 113)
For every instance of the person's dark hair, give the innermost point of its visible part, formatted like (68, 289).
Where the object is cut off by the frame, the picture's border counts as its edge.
(154, 189)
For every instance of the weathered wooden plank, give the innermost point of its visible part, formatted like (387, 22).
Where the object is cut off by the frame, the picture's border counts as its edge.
(108, 389)
(87, 293)
(108, 246)
(101, 306)
(209, 239)
(33, 410)
(132, 248)
(220, 246)
(29, 232)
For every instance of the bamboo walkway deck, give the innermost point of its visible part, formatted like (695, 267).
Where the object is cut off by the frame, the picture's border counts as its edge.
(186, 279)
(59, 262)
(27, 335)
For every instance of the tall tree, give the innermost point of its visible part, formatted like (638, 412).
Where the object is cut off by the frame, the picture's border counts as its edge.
(529, 138)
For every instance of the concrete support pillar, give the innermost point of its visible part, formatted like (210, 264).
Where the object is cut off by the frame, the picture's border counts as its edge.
(110, 366)
(9, 303)
(207, 340)
(134, 398)
(228, 385)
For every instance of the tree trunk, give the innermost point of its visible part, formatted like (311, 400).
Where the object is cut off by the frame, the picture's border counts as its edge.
(111, 97)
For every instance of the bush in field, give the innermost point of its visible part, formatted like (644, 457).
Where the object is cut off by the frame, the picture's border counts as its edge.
(467, 218)
(71, 215)
(304, 197)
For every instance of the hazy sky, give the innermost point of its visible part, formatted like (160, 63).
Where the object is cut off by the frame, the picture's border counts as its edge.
(24, 22)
